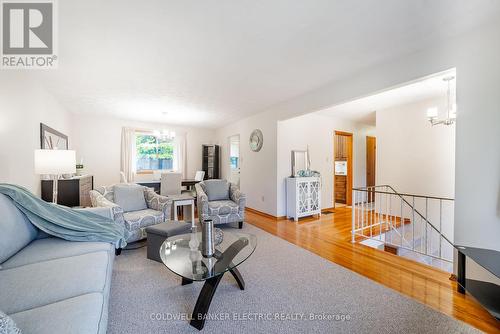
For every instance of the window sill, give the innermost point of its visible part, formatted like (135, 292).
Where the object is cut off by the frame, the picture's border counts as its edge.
(146, 172)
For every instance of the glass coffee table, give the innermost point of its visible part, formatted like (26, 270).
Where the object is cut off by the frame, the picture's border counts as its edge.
(181, 254)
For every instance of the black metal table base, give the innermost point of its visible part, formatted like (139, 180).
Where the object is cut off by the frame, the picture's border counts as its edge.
(222, 263)
(205, 298)
(239, 279)
(186, 281)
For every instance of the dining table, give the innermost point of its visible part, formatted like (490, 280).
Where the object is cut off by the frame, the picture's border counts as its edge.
(156, 184)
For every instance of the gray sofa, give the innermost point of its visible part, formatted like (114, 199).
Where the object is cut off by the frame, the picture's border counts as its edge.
(50, 285)
(134, 211)
(220, 201)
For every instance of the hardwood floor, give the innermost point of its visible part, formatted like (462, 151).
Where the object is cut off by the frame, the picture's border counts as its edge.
(330, 238)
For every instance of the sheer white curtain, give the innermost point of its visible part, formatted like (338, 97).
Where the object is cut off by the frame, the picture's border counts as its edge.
(127, 163)
(180, 164)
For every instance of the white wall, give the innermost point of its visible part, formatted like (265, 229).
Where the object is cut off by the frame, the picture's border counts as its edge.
(413, 156)
(257, 169)
(477, 185)
(416, 158)
(23, 105)
(317, 131)
(97, 139)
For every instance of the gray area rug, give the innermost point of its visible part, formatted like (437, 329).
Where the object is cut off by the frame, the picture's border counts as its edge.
(286, 286)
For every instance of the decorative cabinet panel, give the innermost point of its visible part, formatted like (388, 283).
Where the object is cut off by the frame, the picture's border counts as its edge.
(303, 197)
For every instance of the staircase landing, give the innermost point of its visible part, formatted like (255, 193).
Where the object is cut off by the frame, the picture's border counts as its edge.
(408, 254)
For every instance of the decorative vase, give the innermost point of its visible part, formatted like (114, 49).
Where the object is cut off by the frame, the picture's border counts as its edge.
(194, 243)
(79, 170)
(207, 238)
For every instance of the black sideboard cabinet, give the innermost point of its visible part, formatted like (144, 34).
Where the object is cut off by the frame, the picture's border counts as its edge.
(72, 192)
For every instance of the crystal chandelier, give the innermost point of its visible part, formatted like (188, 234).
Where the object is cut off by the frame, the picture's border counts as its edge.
(164, 134)
(451, 108)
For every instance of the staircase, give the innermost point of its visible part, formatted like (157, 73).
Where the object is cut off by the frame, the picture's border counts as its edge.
(413, 226)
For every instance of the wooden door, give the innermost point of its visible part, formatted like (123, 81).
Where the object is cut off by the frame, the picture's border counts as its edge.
(371, 156)
(343, 183)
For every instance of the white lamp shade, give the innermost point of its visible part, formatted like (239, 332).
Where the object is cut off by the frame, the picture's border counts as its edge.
(432, 112)
(55, 162)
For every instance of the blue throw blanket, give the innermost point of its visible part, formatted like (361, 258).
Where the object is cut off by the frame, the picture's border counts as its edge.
(64, 222)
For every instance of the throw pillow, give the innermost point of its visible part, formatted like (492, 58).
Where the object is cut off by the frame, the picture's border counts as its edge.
(130, 197)
(217, 190)
(7, 325)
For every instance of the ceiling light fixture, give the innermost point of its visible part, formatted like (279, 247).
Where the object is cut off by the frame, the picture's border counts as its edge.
(451, 108)
(164, 134)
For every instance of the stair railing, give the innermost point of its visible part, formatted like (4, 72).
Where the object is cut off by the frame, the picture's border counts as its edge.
(392, 218)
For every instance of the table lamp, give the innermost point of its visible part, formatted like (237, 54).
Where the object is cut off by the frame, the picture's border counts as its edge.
(55, 163)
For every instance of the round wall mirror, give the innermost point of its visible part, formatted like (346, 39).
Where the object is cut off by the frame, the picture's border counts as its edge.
(256, 140)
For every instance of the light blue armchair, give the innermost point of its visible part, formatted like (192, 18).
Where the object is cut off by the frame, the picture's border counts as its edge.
(135, 207)
(220, 201)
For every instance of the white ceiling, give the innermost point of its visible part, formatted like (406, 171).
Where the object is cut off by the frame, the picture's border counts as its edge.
(211, 62)
(363, 110)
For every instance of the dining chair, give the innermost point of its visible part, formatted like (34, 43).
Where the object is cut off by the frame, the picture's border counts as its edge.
(156, 175)
(200, 175)
(171, 184)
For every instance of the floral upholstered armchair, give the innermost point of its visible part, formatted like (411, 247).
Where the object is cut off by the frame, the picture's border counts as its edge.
(220, 201)
(135, 207)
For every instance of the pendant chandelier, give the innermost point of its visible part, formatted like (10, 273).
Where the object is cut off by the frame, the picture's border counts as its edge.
(451, 108)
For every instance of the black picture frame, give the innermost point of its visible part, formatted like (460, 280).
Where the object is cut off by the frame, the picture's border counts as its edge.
(47, 134)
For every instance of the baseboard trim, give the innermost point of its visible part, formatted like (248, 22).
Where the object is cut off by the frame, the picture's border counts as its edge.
(267, 215)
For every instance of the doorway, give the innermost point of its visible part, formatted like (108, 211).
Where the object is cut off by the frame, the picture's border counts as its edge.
(371, 156)
(234, 159)
(342, 169)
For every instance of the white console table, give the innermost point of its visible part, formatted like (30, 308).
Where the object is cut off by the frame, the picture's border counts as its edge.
(184, 201)
(303, 196)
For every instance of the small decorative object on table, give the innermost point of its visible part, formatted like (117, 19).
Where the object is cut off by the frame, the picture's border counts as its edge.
(308, 173)
(194, 242)
(79, 169)
(207, 238)
(219, 236)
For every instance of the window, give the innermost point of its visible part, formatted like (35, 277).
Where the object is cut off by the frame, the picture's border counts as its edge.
(154, 152)
(233, 162)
